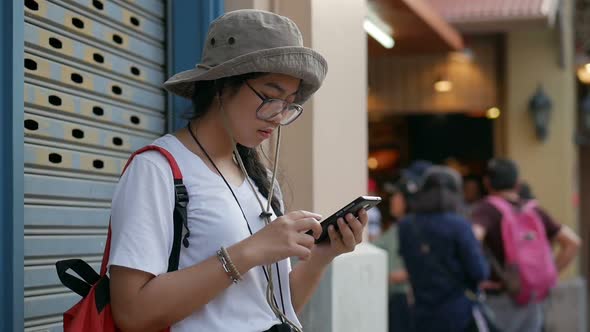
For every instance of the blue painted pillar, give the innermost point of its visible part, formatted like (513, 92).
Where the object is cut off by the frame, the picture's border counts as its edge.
(11, 165)
(188, 22)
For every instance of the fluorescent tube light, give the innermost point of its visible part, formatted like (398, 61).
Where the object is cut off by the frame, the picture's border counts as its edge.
(378, 33)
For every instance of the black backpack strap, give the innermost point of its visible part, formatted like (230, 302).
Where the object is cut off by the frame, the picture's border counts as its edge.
(180, 204)
(89, 277)
(85, 271)
(180, 220)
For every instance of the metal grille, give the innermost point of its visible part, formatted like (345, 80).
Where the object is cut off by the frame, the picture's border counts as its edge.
(93, 71)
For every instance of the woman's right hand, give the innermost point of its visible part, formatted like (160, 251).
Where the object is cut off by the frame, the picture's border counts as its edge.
(283, 238)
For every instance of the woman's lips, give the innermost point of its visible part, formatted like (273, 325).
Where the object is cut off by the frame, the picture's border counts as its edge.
(265, 133)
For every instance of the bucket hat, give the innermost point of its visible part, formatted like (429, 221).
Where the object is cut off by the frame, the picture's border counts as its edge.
(248, 41)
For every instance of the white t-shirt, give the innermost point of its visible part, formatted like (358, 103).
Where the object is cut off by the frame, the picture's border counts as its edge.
(142, 235)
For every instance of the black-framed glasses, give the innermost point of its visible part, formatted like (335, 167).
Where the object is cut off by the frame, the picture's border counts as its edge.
(271, 108)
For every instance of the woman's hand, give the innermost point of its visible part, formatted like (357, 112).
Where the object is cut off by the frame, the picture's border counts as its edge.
(283, 238)
(349, 234)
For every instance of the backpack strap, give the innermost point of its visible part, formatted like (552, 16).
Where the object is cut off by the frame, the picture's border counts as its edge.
(506, 209)
(530, 205)
(179, 215)
(501, 204)
(85, 271)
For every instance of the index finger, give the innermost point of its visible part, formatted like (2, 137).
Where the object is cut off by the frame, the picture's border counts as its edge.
(307, 224)
(302, 214)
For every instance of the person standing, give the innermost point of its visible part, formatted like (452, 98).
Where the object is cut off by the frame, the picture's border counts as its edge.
(441, 254)
(517, 313)
(235, 272)
(400, 310)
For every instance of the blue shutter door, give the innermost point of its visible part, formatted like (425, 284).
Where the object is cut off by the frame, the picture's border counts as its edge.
(92, 92)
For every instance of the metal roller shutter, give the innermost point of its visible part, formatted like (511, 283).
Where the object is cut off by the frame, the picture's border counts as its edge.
(93, 71)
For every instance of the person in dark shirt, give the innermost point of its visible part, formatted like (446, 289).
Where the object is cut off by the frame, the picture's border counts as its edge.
(441, 253)
(502, 180)
(473, 192)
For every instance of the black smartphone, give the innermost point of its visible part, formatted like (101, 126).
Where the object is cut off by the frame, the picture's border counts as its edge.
(362, 202)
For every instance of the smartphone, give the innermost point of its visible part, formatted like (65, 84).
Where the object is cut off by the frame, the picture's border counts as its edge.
(362, 202)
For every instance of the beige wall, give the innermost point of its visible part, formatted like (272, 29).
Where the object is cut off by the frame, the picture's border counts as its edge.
(533, 57)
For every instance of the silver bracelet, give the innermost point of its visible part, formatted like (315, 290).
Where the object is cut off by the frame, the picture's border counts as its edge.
(228, 266)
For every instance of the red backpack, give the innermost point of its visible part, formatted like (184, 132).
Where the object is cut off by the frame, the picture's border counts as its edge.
(527, 251)
(93, 312)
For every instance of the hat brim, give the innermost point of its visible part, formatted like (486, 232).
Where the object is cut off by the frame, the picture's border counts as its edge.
(300, 62)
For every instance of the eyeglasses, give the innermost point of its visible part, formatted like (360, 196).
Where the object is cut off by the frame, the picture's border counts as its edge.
(272, 109)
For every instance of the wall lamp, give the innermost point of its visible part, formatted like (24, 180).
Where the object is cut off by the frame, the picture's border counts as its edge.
(540, 107)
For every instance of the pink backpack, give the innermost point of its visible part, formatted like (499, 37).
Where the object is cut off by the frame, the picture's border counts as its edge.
(527, 250)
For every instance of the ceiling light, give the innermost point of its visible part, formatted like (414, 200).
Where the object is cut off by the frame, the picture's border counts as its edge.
(373, 163)
(379, 31)
(493, 113)
(443, 85)
(584, 73)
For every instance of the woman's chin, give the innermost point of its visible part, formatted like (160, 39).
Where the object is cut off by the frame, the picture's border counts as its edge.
(250, 143)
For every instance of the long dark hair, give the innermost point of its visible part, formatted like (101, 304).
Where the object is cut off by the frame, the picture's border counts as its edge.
(205, 91)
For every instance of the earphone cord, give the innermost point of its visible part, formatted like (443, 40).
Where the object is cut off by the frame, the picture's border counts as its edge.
(270, 294)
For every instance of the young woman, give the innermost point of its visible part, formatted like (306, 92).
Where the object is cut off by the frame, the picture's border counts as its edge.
(235, 275)
(441, 254)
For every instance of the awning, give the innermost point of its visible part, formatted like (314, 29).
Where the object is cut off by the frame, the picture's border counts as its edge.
(417, 28)
(495, 15)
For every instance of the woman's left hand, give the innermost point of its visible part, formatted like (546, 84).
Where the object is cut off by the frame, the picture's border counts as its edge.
(343, 240)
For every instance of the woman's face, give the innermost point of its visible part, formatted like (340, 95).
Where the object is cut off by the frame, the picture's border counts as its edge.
(241, 107)
(397, 205)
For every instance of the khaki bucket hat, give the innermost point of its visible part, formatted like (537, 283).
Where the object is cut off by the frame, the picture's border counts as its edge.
(247, 41)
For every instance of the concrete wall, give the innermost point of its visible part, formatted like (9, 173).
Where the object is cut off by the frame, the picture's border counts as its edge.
(566, 309)
(532, 58)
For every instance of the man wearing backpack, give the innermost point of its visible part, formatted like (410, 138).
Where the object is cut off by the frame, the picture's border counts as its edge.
(517, 235)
